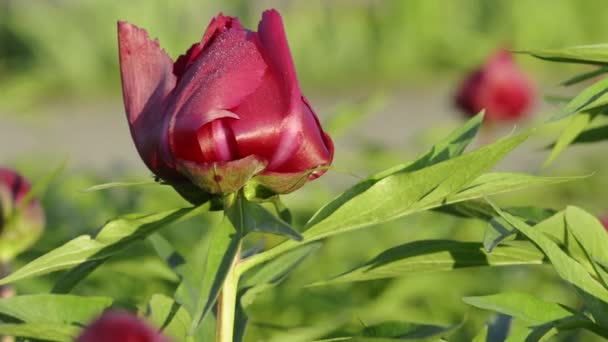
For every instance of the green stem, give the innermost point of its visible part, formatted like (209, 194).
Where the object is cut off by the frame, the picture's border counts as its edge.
(265, 256)
(227, 302)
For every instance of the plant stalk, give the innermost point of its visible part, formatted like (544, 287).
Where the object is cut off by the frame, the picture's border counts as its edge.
(226, 302)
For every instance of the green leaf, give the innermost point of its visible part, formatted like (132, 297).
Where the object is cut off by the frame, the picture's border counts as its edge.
(584, 54)
(545, 331)
(41, 331)
(112, 185)
(252, 217)
(112, 239)
(404, 193)
(591, 292)
(49, 308)
(591, 235)
(282, 210)
(585, 76)
(521, 306)
(171, 318)
(592, 97)
(269, 275)
(595, 134)
(393, 331)
(576, 125)
(453, 145)
(405, 330)
(499, 230)
(204, 272)
(500, 182)
(436, 255)
(68, 281)
(304, 334)
(482, 336)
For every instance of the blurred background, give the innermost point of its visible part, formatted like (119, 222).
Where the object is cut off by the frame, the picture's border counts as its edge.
(380, 73)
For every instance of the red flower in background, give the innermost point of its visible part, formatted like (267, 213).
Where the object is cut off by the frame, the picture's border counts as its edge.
(499, 87)
(120, 327)
(604, 221)
(19, 227)
(229, 110)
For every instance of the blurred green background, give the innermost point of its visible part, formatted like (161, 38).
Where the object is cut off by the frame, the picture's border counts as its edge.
(379, 73)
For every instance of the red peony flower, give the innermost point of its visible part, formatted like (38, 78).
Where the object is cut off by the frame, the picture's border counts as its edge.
(604, 221)
(19, 227)
(499, 87)
(228, 111)
(120, 327)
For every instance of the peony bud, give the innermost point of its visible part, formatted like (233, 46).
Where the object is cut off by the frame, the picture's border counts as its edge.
(20, 226)
(499, 87)
(120, 326)
(228, 111)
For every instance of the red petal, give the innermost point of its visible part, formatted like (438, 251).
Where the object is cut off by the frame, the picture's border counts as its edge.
(275, 50)
(119, 326)
(276, 122)
(147, 79)
(226, 72)
(303, 145)
(16, 185)
(216, 26)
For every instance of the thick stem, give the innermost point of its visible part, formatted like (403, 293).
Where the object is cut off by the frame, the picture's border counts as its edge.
(226, 302)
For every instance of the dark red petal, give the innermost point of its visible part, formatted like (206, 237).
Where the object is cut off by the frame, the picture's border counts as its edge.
(261, 119)
(225, 73)
(275, 50)
(119, 326)
(276, 122)
(302, 145)
(147, 79)
(16, 185)
(217, 25)
(467, 95)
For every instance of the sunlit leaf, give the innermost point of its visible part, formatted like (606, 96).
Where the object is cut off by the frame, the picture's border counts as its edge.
(521, 306)
(453, 145)
(577, 124)
(112, 185)
(589, 289)
(170, 317)
(49, 308)
(114, 237)
(437, 255)
(41, 331)
(592, 97)
(255, 218)
(204, 271)
(404, 193)
(272, 273)
(585, 76)
(584, 54)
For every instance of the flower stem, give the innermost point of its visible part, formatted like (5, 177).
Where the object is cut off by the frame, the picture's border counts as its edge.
(226, 307)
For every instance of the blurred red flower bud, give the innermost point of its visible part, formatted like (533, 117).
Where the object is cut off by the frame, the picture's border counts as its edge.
(604, 221)
(227, 111)
(499, 87)
(120, 327)
(20, 223)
